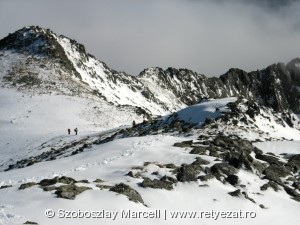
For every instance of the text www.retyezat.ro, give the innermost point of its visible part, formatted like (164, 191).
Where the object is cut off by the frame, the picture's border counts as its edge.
(211, 214)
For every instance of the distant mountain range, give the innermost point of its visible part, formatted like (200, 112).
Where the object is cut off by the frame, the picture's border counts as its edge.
(37, 60)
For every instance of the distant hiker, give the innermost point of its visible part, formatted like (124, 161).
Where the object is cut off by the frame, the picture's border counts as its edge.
(69, 131)
(76, 130)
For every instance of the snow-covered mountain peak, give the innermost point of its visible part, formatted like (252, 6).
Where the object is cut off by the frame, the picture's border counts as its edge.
(32, 40)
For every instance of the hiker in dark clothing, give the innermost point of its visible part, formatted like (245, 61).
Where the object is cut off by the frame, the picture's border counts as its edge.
(76, 130)
(69, 131)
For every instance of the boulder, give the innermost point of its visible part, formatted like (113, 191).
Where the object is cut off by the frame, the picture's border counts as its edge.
(223, 168)
(235, 193)
(27, 185)
(157, 184)
(232, 179)
(70, 191)
(199, 150)
(187, 173)
(269, 159)
(126, 190)
(275, 172)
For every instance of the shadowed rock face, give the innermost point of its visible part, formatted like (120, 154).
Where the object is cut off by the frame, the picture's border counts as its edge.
(272, 87)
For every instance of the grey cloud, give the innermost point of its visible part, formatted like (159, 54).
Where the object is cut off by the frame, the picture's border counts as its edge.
(208, 36)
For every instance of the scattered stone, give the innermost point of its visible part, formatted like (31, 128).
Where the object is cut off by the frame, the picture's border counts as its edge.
(270, 184)
(130, 173)
(67, 180)
(232, 179)
(258, 166)
(30, 222)
(170, 166)
(199, 161)
(170, 179)
(70, 191)
(223, 168)
(235, 193)
(81, 181)
(188, 173)
(49, 188)
(103, 186)
(206, 177)
(5, 186)
(48, 182)
(157, 184)
(199, 150)
(184, 144)
(275, 172)
(294, 162)
(296, 185)
(262, 206)
(257, 151)
(98, 181)
(247, 197)
(27, 185)
(293, 193)
(124, 189)
(269, 159)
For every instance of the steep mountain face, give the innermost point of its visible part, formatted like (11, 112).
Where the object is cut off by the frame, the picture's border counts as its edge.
(36, 59)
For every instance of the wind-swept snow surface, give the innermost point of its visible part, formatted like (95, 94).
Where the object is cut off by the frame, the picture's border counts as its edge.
(111, 162)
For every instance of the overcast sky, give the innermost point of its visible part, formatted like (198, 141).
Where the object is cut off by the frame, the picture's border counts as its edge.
(207, 36)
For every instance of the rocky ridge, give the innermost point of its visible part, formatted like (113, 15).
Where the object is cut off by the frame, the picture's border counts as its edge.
(31, 52)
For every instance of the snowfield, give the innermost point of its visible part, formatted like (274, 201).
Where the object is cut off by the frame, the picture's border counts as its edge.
(37, 119)
(111, 162)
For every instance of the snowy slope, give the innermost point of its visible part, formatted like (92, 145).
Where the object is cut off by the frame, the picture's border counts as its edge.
(28, 121)
(111, 162)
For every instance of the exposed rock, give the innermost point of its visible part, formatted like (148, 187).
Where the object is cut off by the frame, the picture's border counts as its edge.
(293, 193)
(199, 150)
(199, 161)
(275, 172)
(184, 144)
(269, 159)
(206, 177)
(270, 184)
(49, 188)
(70, 191)
(188, 173)
(258, 166)
(55, 180)
(48, 182)
(30, 222)
(170, 166)
(79, 181)
(247, 197)
(5, 186)
(232, 179)
(124, 189)
(98, 181)
(68, 180)
(157, 184)
(262, 206)
(235, 193)
(223, 168)
(27, 185)
(294, 162)
(103, 186)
